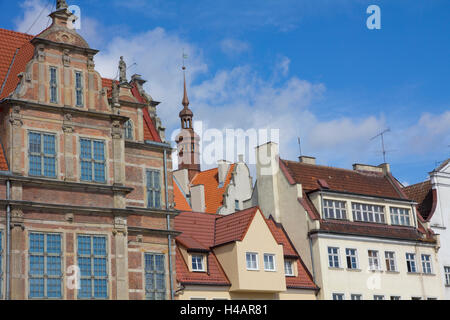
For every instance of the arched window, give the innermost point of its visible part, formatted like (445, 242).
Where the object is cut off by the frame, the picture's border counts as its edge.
(128, 130)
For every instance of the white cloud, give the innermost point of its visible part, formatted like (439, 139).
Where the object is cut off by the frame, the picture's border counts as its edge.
(234, 47)
(35, 16)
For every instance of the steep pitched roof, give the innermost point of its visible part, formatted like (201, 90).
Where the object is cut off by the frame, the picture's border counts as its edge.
(203, 232)
(179, 198)
(342, 180)
(3, 162)
(213, 192)
(425, 197)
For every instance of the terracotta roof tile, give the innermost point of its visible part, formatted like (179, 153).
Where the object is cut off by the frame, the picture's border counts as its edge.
(281, 238)
(213, 194)
(342, 180)
(179, 198)
(3, 162)
(422, 193)
(233, 227)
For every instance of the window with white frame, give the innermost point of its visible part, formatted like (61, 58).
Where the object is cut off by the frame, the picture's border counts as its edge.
(356, 297)
(390, 261)
(367, 213)
(400, 216)
(197, 263)
(93, 161)
(333, 257)
(374, 260)
(92, 258)
(79, 88)
(338, 296)
(426, 264)
(128, 126)
(252, 261)
(411, 262)
(352, 258)
(269, 262)
(378, 297)
(45, 265)
(155, 277)
(395, 297)
(289, 268)
(447, 276)
(42, 154)
(53, 85)
(333, 209)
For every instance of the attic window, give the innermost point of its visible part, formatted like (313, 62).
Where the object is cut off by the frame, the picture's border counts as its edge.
(323, 184)
(197, 263)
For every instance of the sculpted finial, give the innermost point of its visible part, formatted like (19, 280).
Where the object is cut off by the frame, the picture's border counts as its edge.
(61, 4)
(122, 71)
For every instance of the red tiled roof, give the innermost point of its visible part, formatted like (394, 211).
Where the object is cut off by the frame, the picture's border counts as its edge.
(190, 243)
(179, 198)
(425, 197)
(342, 180)
(233, 227)
(3, 162)
(213, 194)
(281, 238)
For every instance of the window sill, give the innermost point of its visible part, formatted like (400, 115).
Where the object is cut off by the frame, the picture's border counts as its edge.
(376, 271)
(353, 270)
(337, 269)
(252, 269)
(392, 272)
(199, 271)
(270, 270)
(428, 274)
(413, 273)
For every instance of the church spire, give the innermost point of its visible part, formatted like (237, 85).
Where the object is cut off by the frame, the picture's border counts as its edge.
(185, 97)
(186, 114)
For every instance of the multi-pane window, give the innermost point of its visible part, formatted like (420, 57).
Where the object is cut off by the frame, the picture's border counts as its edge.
(154, 189)
(79, 88)
(374, 260)
(53, 85)
(155, 277)
(128, 126)
(1, 263)
(378, 297)
(333, 257)
(356, 297)
(197, 263)
(395, 297)
(411, 262)
(426, 263)
(390, 261)
(269, 262)
(45, 266)
(352, 259)
(42, 154)
(252, 261)
(92, 260)
(92, 160)
(367, 212)
(400, 216)
(288, 268)
(447, 276)
(338, 296)
(334, 209)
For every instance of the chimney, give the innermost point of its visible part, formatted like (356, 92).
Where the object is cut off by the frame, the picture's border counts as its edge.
(198, 198)
(223, 167)
(367, 168)
(306, 159)
(385, 167)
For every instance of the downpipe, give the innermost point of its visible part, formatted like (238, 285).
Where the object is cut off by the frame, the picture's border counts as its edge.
(169, 237)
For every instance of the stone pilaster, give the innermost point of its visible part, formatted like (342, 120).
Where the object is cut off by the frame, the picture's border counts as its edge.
(68, 129)
(16, 144)
(18, 246)
(118, 147)
(120, 241)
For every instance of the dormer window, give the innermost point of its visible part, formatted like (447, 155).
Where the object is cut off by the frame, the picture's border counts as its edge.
(368, 213)
(400, 216)
(333, 209)
(53, 85)
(79, 88)
(197, 263)
(289, 268)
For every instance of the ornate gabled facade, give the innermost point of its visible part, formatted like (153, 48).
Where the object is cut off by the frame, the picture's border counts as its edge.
(85, 180)
(356, 230)
(433, 204)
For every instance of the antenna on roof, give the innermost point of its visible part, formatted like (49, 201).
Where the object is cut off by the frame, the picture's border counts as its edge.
(381, 134)
(300, 146)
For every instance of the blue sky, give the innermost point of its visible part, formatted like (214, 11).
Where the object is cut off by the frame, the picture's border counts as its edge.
(309, 68)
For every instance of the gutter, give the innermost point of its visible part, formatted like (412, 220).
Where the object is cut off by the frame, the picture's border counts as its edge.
(8, 241)
(169, 237)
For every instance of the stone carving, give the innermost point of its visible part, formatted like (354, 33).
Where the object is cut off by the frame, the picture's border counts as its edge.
(61, 4)
(67, 117)
(90, 62)
(66, 58)
(40, 54)
(122, 71)
(120, 225)
(15, 118)
(116, 130)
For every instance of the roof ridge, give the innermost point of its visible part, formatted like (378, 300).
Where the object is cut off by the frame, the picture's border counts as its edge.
(334, 168)
(416, 184)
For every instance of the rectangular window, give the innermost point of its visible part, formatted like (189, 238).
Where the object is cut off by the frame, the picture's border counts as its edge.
(338, 296)
(93, 160)
(390, 261)
(411, 262)
(374, 260)
(252, 261)
(53, 85)
(45, 265)
(153, 189)
(93, 262)
(447, 276)
(269, 262)
(352, 259)
(426, 264)
(367, 212)
(42, 154)
(395, 297)
(236, 205)
(356, 297)
(79, 88)
(155, 277)
(333, 257)
(334, 209)
(378, 297)
(288, 268)
(197, 263)
(400, 216)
